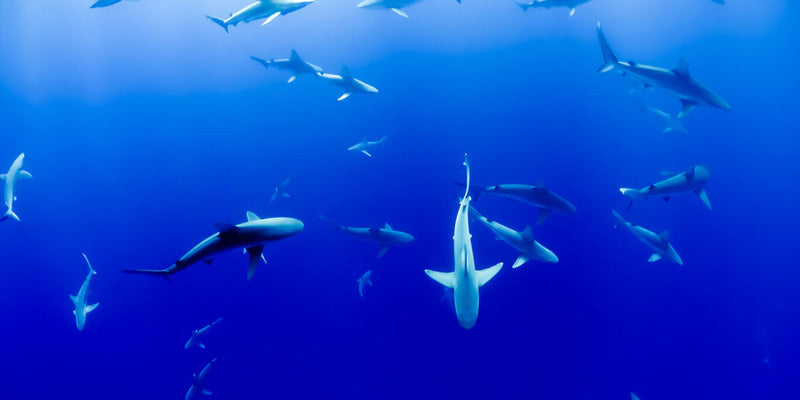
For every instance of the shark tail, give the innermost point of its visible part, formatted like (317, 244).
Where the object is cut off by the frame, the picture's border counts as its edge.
(164, 273)
(610, 60)
(9, 215)
(218, 21)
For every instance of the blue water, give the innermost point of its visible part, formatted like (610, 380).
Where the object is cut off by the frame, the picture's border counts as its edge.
(143, 124)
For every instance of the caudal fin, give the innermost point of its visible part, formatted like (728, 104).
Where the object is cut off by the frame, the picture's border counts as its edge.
(218, 21)
(610, 60)
(10, 215)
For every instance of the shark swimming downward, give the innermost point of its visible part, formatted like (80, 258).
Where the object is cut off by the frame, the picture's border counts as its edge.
(465, 280)
(14, 173)
(81, 308)
(678, 81)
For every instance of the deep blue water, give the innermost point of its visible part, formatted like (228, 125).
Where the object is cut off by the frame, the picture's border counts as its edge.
(143, 124)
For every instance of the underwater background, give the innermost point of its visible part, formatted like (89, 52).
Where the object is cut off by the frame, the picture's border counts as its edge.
(144, 123)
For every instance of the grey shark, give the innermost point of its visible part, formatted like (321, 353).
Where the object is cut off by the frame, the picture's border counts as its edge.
(280, 191)
(673, 122)
(251, 235)
(348, 83)
(523, 242)
(465, 280)
(198, 382)
(385, 236)
(678, 81)
(364, 280)
(538, 196)
(10, 179)
(261, 9)
(293, 64)
(106, 3)
(394, 5)
(199, 334)
(690, 181)
(660, 244)
(79, 300)
(570, 4)
(364, 145)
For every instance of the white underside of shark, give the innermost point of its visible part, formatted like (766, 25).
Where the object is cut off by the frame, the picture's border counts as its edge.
(465, 280)
(14, 174)
(82, 309)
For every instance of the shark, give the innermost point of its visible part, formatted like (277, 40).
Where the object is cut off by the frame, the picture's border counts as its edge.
(280, 191)
(198, 381)
(570, 4)
(678, 81)
(538, 196)
(10, 179)
(364, 145)
(348, 83)
(394, 5)
(199, 334)
(523, 242)
(293, 64)
(465, 280)
(261, 9)
(79, 300)
(251, 236)
(673, 123)
(364, 280)
(692, 180)
(659, 243)
(385, 236)
(106, 3)
(634, 397)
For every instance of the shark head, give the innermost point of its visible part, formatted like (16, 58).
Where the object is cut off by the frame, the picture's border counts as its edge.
(278, 228)
(294, 5)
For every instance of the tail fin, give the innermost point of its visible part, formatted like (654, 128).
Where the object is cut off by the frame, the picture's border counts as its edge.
(164, 273)
(218, 21)
(91, 270)
(609, 59)
(10, 215)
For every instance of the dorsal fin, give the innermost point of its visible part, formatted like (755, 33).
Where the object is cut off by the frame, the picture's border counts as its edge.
(527, 233)
(541, 185)
(682, 69)
(664, 235)
(387, 227)
(346, 75)
(251, 216)
(295, 56)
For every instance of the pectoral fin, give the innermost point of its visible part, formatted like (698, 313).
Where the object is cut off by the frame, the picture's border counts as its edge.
(91, 307)
(383, 251)
(571, 12)
(485, 275)
(74, 299)
(655, 257)
(704, 197)
(344, 96)
(448, 279)
(367, 153)
(400, 12)
(522, 259)
(25, 174)
(687, 107)
(270, 18)
(291, 79)
(256, 255)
